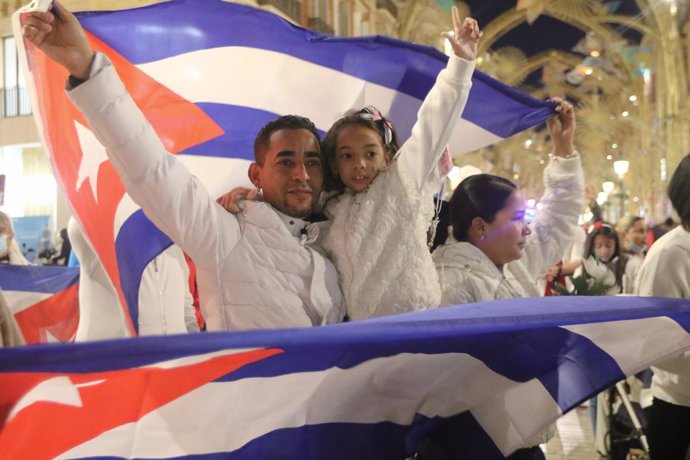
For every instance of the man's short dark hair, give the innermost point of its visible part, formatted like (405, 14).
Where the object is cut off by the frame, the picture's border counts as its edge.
(263, 139)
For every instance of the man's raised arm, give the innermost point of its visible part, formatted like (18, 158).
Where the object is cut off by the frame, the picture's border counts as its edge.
(169, 195)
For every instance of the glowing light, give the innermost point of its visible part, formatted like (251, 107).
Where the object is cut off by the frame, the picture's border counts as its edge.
(636, 199)
(588, 70)
(609, 157)
(528, 143)
(620, 167)
(608, 186)
(602, 197)
(595, 53)
(625, 114)
(614, 146)
(531, 202)
(632, 98)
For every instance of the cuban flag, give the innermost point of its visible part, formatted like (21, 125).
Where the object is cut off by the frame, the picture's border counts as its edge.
(44, 301)
(208, 74)
(499, 371)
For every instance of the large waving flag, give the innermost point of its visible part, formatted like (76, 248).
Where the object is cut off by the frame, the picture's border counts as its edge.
(43, 300)
(208, 74)
(500, 371)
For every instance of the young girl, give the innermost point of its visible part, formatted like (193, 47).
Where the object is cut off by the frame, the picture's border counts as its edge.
(382, 202)
(603, 259)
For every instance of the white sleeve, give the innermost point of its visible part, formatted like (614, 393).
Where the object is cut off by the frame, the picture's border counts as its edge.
(158, 182)
(665, 273)
(556, 221)
(632, 268)
(436, 119)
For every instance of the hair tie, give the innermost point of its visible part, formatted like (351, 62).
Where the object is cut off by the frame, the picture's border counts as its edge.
(373, 114)
(598, 225)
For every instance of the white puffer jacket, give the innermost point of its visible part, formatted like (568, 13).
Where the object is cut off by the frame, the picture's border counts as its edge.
(377, 238)
(467, 275)
(665, 272)
(252, 272)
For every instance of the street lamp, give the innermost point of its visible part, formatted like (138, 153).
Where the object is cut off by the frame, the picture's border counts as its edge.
(607, 188)
(620, 167)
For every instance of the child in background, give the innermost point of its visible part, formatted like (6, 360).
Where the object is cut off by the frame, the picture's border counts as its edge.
(603, 259)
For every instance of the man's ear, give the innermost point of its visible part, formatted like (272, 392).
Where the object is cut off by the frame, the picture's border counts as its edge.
(255, 174)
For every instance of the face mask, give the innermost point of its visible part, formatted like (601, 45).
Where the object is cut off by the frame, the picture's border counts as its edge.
(3, 243)
(636, 249)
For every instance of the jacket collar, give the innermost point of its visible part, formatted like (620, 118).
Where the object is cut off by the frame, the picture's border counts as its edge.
(468, 256)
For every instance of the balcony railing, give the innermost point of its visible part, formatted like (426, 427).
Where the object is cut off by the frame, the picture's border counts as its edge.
(15, 102)
(319, 25)
(389, 6)
(293, 8)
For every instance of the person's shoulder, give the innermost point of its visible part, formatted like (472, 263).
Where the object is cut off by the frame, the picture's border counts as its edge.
(675, 241)
(259, 214)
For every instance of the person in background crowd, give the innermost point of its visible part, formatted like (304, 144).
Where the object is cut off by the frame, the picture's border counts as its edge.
(634, 235)
(9, 249)
(666, 273)
(604, 260)
(661, 229)
(65, 249)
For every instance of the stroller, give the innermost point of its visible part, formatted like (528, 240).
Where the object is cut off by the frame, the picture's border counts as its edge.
(621, 419)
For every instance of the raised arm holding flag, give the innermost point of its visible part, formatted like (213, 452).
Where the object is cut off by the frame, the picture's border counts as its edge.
(254, 272)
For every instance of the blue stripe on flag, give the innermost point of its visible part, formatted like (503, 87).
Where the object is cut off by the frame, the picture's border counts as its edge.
(408, 68)
(137, 243)
(237, 123)
(345, 345)
(47, 279)
(194, 23)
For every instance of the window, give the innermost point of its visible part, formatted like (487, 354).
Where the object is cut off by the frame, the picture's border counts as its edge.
(15, 97)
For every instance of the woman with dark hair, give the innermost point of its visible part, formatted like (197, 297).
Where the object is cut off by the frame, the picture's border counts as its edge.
(493, 253)
(666, 273)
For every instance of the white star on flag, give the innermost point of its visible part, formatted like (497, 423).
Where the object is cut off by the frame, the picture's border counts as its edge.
(92, 158)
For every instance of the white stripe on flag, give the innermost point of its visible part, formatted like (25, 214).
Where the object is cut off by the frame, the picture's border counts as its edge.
(222, 417)
(244, 77)
(660, 334)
